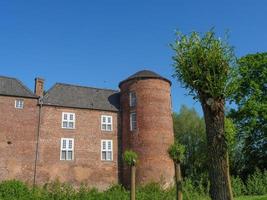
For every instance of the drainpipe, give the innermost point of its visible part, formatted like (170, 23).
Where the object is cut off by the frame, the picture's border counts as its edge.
(37, 140)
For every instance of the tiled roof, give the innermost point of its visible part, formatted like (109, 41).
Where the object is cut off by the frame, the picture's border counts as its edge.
(13, 87)
(74, 96)
(143, 75)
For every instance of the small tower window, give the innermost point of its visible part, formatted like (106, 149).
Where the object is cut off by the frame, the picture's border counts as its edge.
(132, 96)
(19, 103)
(133, 123)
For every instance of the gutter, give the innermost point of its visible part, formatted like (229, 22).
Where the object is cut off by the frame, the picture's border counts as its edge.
(40, 102)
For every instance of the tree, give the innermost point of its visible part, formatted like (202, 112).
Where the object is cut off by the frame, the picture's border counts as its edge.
(189, 130)
(130, 158)
(176, 153)
(232, 142)
(202, 63)
(250, 116)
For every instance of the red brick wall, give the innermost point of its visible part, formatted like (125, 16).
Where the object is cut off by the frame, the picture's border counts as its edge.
(87, 166)
(155, 130)
(18, 127)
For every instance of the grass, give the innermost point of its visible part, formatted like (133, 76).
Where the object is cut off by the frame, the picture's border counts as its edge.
(252, 198)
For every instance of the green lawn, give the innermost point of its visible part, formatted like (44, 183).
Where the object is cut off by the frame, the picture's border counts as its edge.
(252, 198)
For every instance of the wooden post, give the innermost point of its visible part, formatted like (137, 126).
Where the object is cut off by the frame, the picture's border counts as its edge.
(178, 177)
(133, 170)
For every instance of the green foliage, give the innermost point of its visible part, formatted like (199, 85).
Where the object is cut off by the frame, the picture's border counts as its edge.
(130, 157)
(202, 63)
(250, 116)
(232, 142)
(189, 130)
(13, 189)
(16, 190)
(194, 191)
(155, 192)
(252, 198)
(256, 183)
(238, 186)
(176, 152)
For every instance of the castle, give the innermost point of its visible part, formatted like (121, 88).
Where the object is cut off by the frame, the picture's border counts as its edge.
(78, 134)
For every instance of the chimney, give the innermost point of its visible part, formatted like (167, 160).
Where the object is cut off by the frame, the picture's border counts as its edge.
(39, 86)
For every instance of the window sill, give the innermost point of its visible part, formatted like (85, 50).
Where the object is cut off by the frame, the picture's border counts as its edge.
(107, 131)
(67, 160)
(68, 128)
(107, 161)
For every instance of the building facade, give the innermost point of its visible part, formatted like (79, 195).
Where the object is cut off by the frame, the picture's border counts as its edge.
(78, 134)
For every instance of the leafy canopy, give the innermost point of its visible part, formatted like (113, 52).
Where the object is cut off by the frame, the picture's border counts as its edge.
(250, 114)
(130, 157)
(189, 130)
(176, 152)
(202, 63)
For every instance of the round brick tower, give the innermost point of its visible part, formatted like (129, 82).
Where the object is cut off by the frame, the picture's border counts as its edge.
(147, 127)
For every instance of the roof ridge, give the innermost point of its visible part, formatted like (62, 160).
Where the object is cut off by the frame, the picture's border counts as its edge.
(9, 77)
(67, 84)
(46, 93)
(21, 83)
(25, 87)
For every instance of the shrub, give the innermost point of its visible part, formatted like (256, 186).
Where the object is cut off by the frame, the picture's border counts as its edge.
(13, 189)
(238, 186)
(116, 192)
(155, 192)
(191, 191)
(130, 157)
(256, 183)
(16, 190)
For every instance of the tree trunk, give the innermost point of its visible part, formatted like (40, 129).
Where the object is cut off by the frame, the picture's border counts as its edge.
(178, 177)
(133, 169)
(220, 184)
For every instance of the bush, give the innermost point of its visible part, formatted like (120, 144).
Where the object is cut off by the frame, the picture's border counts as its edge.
(238, 186)
(13, 189)
(196, 190)
(256, 183)
(192, 191)
(155, 192)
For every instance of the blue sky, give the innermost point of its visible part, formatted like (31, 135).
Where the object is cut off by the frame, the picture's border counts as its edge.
(98, 43)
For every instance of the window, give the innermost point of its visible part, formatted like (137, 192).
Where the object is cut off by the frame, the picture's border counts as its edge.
(106, 150)
(68, 120)
(19, 103)
(132, 96)
(106, 123)
(133, 123)
(66, 149)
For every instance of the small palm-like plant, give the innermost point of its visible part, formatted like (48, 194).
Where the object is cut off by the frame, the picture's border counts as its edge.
(176, 153)
(130, 158)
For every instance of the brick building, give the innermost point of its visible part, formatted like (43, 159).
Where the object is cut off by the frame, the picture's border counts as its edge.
(77, 134)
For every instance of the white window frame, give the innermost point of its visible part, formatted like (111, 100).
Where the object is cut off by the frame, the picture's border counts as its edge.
(68, 120)
(19, 103)
(132, 128)
(67, 149)
(106, 117)
(106, 149)
(132, 99)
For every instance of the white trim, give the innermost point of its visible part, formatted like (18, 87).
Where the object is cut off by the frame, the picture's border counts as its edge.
(106, 117)
(19, 103)
(67, 148)
(68, 120)
(106, 149)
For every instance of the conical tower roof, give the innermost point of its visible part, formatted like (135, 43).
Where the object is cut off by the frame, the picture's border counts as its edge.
(144, 74)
